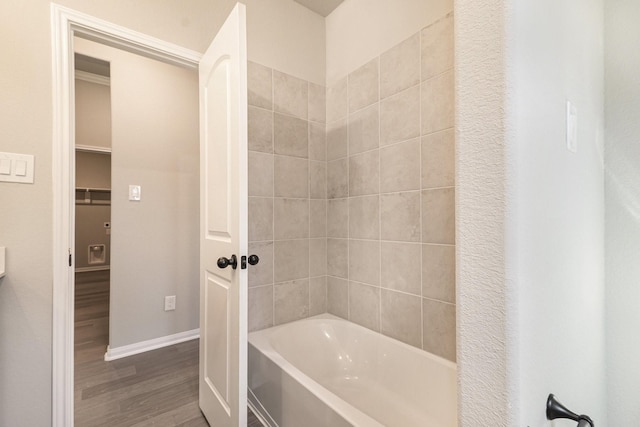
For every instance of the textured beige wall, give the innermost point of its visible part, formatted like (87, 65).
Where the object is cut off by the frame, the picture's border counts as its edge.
(26, 216)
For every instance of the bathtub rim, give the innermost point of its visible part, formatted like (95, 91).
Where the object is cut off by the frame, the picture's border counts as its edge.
(260, 340)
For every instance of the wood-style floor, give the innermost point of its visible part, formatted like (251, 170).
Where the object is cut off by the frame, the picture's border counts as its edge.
(156, 388)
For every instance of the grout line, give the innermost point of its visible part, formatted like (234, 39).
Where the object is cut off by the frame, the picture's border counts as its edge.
(308, 203)
(273, 220)
(348, 204)
(421, 202)
(379, 202)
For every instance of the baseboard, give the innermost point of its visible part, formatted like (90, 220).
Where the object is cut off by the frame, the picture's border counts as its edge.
(98, 268)
(143, 346)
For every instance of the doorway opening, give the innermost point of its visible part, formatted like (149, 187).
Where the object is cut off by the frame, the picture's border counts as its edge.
(92, 207)
(68, 28)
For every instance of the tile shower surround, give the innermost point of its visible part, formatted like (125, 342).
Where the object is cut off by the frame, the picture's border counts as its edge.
(352, 193)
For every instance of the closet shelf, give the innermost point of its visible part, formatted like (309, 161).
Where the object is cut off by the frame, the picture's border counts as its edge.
(93, 196)
(94, 190)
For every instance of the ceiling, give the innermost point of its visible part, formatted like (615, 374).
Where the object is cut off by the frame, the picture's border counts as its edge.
(321, 7)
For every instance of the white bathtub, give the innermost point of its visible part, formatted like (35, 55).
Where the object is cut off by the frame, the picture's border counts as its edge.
(325, 371)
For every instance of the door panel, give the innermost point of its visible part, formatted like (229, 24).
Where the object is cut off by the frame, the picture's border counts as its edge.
(223, 224)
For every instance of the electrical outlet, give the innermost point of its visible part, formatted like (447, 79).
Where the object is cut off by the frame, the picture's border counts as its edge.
(169, 303)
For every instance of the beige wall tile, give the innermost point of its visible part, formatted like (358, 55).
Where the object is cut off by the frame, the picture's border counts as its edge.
(364, 130)
(317, 103)
(438, 216)
(400, 116)
(364, 261)
(363, 86)
(364, 173)
(260, 174)
(317, 141)
(438, 104)
(317, 295)
(317, 257)
(260, 130)
(337, 139)
(260, 308)
(260, 218)
(400, 167)
(438, 160)
(291, 260)
(401, 317)
(338, 218)
(337, 101)
(364, 218)
(291, 218)
(338, 258)
(262, 273)
(337, 179)
(439, 328)
(401, 267)
(290, 95)
(317, 180)
(437, 47)
(338, 297)
(290, 136)
(400, 67)
(259, 85)
(290, 301)
(400, 216)
(291, 177)
(364, 305)
(439, 272)
(317, 218)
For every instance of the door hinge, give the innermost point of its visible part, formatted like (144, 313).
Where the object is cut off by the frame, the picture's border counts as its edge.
(70, 259)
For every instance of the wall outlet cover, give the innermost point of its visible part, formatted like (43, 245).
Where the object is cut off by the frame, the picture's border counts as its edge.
(169, 303)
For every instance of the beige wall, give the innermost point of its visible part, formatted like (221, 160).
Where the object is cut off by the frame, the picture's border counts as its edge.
(360, 30)
(93, 114)
(154, 249)
(283, 35)
(26, 223)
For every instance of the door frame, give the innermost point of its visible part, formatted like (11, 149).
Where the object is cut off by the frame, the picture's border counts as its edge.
(65, 25)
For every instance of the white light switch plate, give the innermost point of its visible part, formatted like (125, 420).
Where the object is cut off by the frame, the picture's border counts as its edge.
(16, 168)
(134, 193)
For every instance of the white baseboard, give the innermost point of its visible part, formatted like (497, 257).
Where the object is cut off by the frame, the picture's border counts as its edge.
(141, 347)
(98, 268)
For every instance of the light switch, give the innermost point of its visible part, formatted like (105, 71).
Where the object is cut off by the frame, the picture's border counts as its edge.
(17, 168)
(21, 168)
(134, 193)
(5, 167)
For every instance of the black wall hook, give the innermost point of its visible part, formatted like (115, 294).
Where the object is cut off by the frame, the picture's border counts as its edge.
(555, 409)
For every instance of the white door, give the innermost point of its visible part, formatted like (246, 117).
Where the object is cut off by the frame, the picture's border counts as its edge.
(223, 224)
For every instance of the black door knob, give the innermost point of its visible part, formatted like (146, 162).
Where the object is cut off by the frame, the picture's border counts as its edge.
(253, 259)
(225, 262)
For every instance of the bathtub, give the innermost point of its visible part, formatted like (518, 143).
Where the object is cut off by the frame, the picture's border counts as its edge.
(325, 371)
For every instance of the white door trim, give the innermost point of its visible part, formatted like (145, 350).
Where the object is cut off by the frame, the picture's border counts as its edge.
(65, 24)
